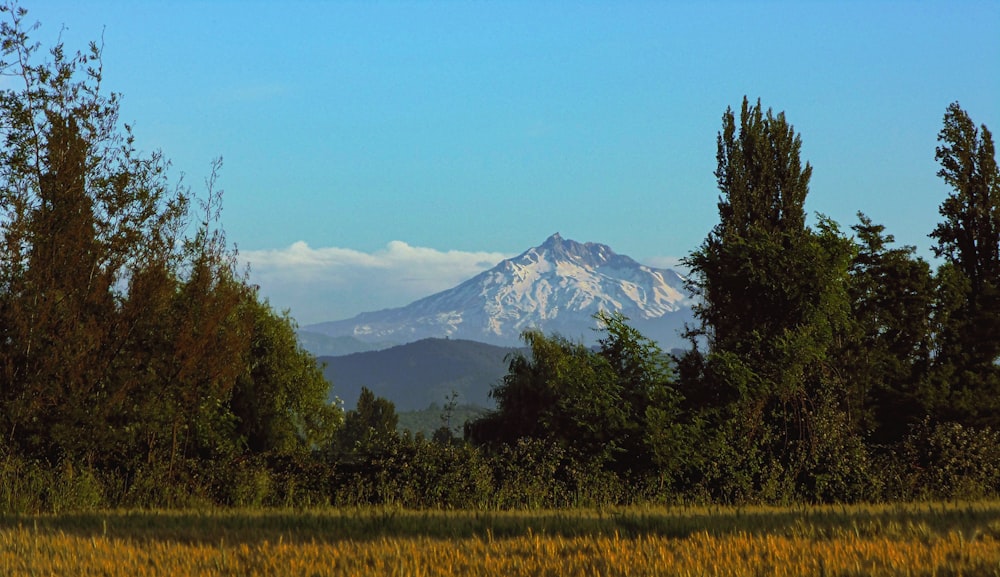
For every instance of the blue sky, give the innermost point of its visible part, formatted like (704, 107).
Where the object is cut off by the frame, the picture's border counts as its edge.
(376, 152)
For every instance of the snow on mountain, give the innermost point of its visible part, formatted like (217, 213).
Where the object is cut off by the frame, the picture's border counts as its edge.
(555, 287)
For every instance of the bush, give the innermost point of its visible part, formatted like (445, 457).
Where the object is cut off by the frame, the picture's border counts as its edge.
(28, 487)
(244, 483)
(160, 486)
(447, 475)
(950, 461)
(412, 472)
(22, 486)
(836, 465)
(525, 475)
(302, 480)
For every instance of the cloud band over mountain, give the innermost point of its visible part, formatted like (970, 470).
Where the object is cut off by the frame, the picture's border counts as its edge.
(330, 283)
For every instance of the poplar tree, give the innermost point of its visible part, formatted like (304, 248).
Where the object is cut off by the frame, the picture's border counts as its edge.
(773, 303)
(967, 316)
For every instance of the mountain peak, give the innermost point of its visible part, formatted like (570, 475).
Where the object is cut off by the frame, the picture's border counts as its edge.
(589, 254)
(555, 243)
(556, 287)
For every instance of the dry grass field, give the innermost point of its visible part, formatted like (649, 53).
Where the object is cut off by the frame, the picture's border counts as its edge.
(923, 539)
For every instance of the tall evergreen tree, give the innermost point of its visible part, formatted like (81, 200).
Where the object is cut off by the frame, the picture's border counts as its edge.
(762, 180)
(968, 308)
(969, 237)
(761, 210)
(773, 303)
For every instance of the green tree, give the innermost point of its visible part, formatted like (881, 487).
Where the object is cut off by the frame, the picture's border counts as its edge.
(369, 426)
(129, 340)
(612, 412)
(773, 304)
(561, 392)
(759, 172)
(742, 267)
(652, 438)
(887, 353)
(967, 315)
(195, 340)
(81, 210)
(280, 400)
(969, 237)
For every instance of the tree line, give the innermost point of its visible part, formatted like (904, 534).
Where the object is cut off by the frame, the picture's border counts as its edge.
(139, 367)
(130, 343)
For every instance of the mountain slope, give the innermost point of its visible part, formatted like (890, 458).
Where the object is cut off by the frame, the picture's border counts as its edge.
(417, 374)
(322, 345)
(555, 287)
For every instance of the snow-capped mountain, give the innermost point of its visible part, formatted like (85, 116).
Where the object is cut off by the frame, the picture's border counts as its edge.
(555, 287)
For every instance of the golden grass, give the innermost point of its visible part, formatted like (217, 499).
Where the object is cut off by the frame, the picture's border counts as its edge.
(958, 539)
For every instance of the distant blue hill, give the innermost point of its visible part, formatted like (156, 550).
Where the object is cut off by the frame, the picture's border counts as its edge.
(421, 373)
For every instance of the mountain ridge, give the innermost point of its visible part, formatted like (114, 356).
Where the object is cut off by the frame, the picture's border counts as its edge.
(557, 286)
(416, 374)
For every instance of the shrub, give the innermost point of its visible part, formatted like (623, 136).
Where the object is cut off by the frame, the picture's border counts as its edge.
(950, 461)
(525, 474)
(30, 486)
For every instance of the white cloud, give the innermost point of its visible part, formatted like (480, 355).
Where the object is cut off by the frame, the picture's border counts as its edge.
(331, 283)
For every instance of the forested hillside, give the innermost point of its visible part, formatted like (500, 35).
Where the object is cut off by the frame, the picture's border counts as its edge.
(138, 367)
(420, 373)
